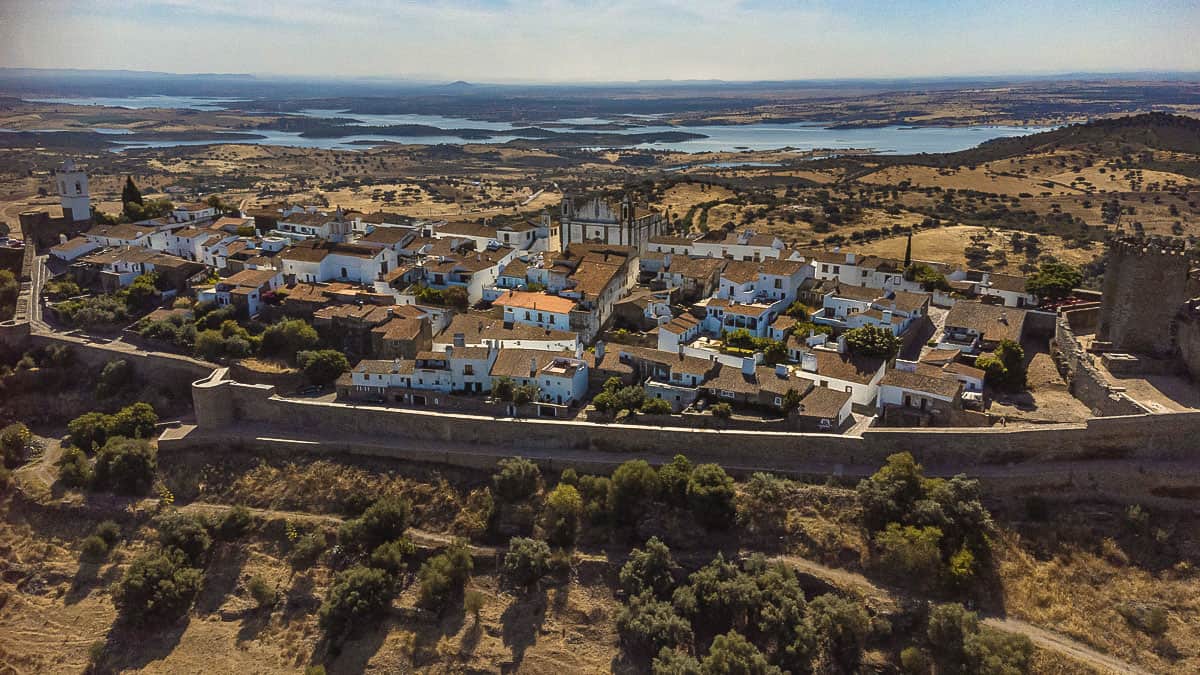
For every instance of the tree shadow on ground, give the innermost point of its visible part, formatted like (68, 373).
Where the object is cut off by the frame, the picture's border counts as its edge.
(521, 622)
(355, 653)
(129, 647)
(253, 623)
(89, 577)
(220, 578)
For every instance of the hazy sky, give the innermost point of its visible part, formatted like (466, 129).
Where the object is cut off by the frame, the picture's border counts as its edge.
(503, 40)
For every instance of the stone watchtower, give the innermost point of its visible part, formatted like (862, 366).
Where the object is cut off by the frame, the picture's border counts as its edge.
(1147, 286)
(72, 185)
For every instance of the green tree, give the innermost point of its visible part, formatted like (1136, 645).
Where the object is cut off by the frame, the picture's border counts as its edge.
(634, 484)
(908, 251)
(948, 627)
(650, 569)
(873, 341)
(115, 377)
(288, 337)
(322, 366)
(517, 479)
(733, 654)
(383, 521)
(133, 421)
(187, 533)
(1054, 281)
(710, 495)
(991, 652)
(647, 626)
(358, 596)
(10, 290)
(444, 575)
(889, 494)
(842, 625)
(157, 587)
(392, 556)
(126, 465)
(130, 194)
(73, 468)
(908, 552)
(526, 561)
(674, 478)
(15, 440)
(564, 505)
(656, 406)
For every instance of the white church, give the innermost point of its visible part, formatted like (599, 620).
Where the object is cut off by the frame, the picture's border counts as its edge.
(595, 220)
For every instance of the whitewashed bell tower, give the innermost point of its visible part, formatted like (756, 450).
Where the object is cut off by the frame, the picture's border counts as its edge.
(73, 192)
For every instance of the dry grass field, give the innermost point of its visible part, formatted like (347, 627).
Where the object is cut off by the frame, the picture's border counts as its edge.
(947, 244)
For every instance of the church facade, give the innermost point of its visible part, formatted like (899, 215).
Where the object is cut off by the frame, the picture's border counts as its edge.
(595, 220)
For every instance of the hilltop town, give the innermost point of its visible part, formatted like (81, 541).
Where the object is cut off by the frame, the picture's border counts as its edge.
(312, 381)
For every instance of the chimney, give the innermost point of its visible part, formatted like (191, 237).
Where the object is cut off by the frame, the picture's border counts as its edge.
(449, 353)
(396, 365)
(391, 312)
(851, 258)
(460, 340)
(533, 366)
(579, 350)
(599, 350)
(781, 371)
(62, 238)
(808, 362)
(748, 365)
(841, 343)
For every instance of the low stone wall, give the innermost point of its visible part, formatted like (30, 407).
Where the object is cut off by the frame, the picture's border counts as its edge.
(1078, 367)
(171, 371)
(223, 405)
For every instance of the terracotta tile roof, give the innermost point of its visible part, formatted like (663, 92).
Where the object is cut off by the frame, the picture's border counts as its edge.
(944, 387)
(399, 328)
(740, 271)
(1007, 282)
(994, 322)
(681, 324)
(696, 268)
(747, 309)
(592, 278)
(823, 402)
(388, 235)
(381, 367)
(850, 368)
(516, 363)
(941, 356)
(537, 301)
(250, 278)
(782, 268)
(479, 327)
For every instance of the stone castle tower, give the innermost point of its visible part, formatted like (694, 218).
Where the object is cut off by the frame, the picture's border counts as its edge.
(1148, 286)
(73, 194)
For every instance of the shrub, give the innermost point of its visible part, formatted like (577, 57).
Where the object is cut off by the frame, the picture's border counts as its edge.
(126, 466)
(15, 440)
(234, 524)
(261, 591)
(306, 549)
(517, 479)
(1149, 619)
(656, 406)
(647, 626)
(109, 531)
(914, 661)
(842, 625)
(88, 431)
(873, 341)
(73, 468)
(633, 484)
(473, 602)
(651, 569)
(526, 561)
(710, 495)
(358, 596)
(115, 377)
(5, 478)
(384, 521)
(733, 653)
(563, 508)
(673, 479)
(134, 421)
(722, 411)
(158, 587)
(1054, 281)
(444, 575)
(288, 337)
(991, 652)
(187, 533)
(910, 552)
(948, 627)
(322, 366)
(93, 549)
(391, 556)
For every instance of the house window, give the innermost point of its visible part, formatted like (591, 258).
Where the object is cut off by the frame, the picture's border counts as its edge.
(849, 390)
(778, 400)
(779, 283)
(726, 394)
(837, 269)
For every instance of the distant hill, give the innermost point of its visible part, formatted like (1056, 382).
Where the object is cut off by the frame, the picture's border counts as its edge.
(1156, 131)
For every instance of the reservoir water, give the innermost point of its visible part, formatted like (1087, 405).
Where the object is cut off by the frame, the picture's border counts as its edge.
(799, 136)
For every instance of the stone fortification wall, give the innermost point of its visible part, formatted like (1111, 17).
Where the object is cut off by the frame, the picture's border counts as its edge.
(172, 371)
(1080, 370)
(250, 411)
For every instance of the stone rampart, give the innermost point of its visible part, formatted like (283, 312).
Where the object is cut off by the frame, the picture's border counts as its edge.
(172, 371)
(1080, 370)
(222, 406)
